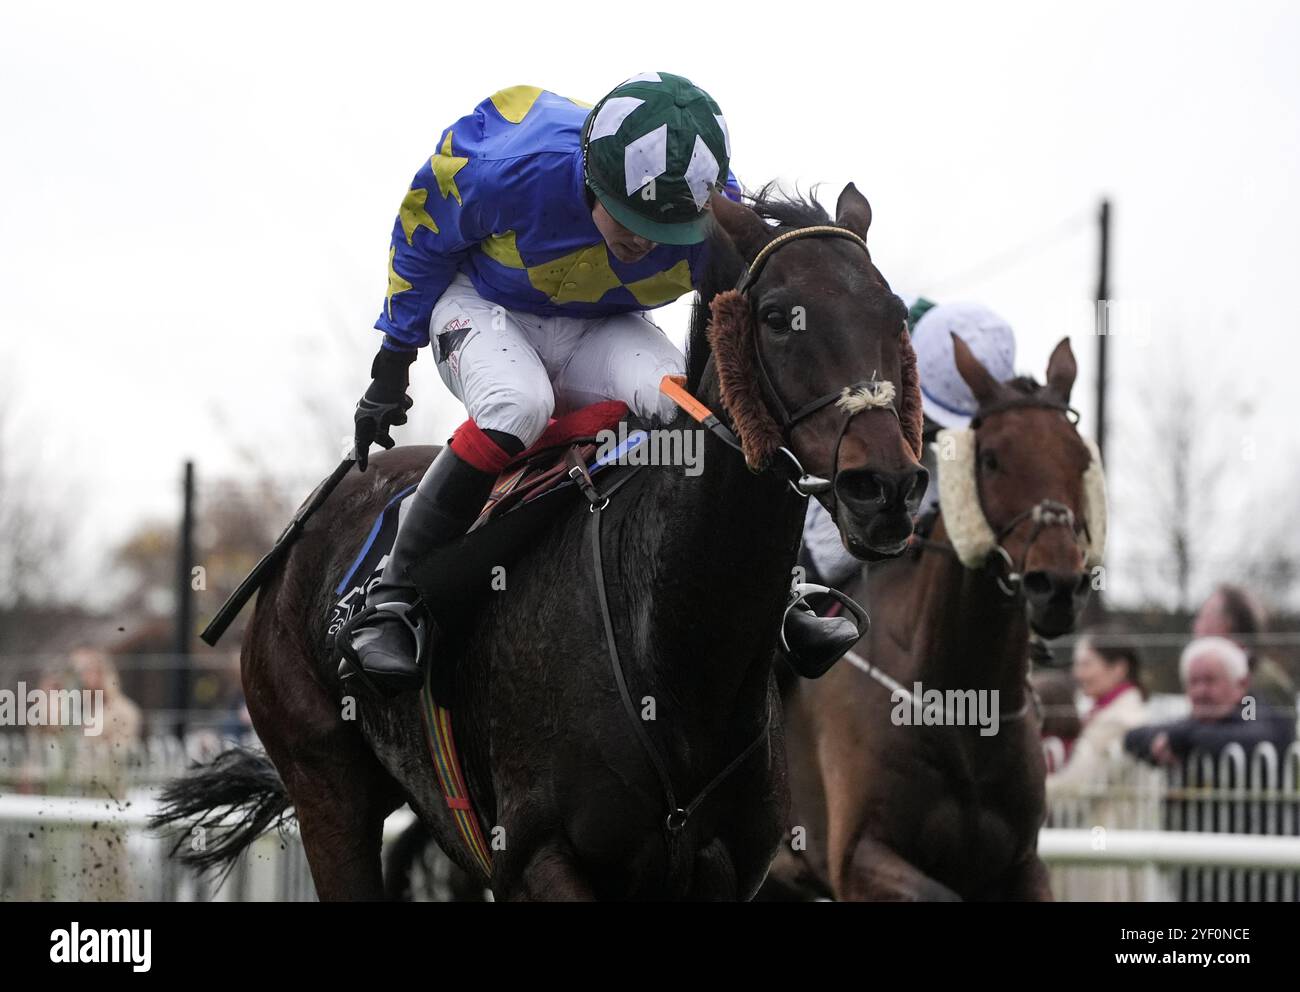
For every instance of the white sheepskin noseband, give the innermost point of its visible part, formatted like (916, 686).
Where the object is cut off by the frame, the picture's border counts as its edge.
(873, 395)
(963, 517)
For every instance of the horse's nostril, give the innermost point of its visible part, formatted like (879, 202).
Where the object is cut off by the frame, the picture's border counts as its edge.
(1044, 587)
(916, 491)
(1037, 585)
(902, 490)
(862, 487)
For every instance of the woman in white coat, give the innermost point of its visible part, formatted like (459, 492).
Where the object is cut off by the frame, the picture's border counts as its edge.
(1107, 672)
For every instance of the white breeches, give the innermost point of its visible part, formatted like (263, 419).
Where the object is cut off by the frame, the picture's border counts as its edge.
(514, 370)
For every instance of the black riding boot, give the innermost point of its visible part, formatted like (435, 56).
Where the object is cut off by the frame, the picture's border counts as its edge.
(384, 645)
(817, 642)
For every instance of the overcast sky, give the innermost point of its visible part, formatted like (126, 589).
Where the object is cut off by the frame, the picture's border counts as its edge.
(195, 207)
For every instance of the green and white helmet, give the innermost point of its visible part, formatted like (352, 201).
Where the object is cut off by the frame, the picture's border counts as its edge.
(654, 150)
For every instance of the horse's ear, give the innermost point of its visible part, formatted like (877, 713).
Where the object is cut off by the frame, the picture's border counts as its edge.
(744, 227)
(982, 384)
(1061, 370)
(853, 211)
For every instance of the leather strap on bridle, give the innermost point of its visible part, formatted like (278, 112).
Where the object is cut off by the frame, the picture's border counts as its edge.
(802, 481)
(752, 271)
(791, 420)
(1044, 514)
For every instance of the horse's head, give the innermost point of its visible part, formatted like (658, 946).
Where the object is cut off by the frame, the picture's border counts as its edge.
(816, 368)
(1034, 493)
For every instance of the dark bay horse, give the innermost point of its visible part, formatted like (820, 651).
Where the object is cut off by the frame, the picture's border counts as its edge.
(698, 569)
(898, 811)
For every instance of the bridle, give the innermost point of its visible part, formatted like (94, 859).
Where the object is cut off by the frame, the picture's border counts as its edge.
(801, 481)
(1043, 515)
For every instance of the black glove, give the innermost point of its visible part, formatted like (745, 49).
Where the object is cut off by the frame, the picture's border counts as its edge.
(385, 403)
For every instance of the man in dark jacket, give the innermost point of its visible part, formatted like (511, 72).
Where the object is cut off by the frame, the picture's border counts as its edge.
(1215, 675)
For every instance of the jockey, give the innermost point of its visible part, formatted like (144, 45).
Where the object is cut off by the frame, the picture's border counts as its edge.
(947, 402)
(527, 251)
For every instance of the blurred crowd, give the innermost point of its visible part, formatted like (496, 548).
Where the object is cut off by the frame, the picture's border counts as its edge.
(1236, 694)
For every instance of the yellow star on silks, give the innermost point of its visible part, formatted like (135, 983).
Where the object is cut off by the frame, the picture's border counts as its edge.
(412, 213)
(445, 166)
(396, 284)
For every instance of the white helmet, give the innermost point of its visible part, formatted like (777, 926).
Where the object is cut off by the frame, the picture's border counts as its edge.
(945, 397)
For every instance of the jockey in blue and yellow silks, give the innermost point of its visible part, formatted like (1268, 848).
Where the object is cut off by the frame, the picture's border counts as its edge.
(527, 251)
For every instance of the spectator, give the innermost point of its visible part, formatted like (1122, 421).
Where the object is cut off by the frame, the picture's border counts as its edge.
(1234, 613)
(104, 766)
(1215, 674)
(95, 671)
(1107, 671)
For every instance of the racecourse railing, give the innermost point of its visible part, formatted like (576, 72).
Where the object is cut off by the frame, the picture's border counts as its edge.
(73, 827)
(74, 818)
(1214, 828)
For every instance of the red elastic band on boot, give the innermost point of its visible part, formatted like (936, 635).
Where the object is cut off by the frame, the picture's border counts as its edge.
(475, 447)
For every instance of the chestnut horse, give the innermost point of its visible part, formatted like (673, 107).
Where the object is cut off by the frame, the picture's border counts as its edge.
(697, 570)
(893, 810)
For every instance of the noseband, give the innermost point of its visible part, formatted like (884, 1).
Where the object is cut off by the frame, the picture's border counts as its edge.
(854, 398)
(1044, 514)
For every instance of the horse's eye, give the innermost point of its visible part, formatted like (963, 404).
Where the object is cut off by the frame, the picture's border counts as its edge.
(776, 319)
(988, 461)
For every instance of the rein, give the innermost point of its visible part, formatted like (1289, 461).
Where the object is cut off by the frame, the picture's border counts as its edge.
(893, 685)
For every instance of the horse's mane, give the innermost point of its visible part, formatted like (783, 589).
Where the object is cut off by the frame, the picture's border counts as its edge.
(1025, 390)
(1025, 384)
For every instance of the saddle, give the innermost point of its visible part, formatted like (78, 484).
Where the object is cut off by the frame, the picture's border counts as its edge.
(531, 490)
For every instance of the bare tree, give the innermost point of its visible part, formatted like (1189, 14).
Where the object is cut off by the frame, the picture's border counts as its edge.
(33, 533)
(1191, 483)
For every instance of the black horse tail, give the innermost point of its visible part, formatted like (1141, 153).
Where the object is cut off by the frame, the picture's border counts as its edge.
(222, 807)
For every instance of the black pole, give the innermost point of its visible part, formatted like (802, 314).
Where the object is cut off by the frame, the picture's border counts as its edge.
(1102, 318)
(184, 605)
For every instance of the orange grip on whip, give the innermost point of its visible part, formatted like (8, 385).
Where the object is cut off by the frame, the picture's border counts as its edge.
(674, 387)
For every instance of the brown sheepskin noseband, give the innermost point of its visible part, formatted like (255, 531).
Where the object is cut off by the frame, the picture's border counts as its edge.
(731, 336)
(731, 333)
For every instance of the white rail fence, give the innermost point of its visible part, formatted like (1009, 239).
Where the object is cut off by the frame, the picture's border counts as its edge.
(73, 827)
(1222, 828)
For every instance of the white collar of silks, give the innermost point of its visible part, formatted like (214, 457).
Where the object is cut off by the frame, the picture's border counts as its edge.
(963, 516)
